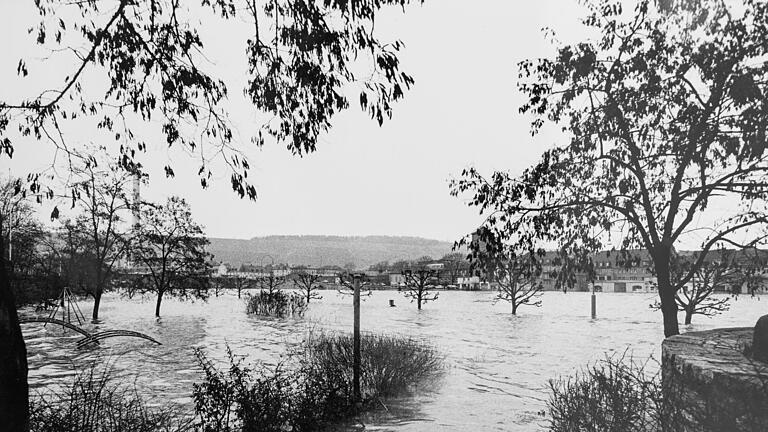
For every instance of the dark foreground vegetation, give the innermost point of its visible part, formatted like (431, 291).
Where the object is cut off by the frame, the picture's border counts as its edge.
(620, 394)
(311, 390)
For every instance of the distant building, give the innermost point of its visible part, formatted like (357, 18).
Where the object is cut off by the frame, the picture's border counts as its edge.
(472, 283)
(396, 279)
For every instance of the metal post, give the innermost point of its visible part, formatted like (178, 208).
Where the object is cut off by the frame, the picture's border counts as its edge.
(356, 343)
(594, 303)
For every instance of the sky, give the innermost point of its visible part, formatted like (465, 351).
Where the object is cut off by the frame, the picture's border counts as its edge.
(363, 179)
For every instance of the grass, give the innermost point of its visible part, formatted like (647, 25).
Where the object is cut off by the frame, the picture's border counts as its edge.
(96, 402)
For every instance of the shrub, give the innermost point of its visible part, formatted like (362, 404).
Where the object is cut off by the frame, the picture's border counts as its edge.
(609, 395)
(96, 403)
(276, 304)
(312, 388)
(390, 365)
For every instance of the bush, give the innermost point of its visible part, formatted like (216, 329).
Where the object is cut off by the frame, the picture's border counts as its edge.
(313, 388)
(610, 395)
(276, 304)
(390, 365)
(96, 403)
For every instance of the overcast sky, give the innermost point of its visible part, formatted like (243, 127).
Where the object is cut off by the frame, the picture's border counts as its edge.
(365, 179)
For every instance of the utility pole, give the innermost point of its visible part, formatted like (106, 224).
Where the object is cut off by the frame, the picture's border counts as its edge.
(356, 341)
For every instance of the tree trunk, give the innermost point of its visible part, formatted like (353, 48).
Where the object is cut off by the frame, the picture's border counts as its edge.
(514, 308)
(14, 390)
(157, 306)
(666, 296)
(96, 303)
(418, 302)
(688, 315)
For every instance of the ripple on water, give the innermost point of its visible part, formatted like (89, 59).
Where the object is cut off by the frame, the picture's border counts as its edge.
(497, 364)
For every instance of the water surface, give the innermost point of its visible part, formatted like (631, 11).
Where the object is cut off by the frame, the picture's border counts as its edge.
(498, 364)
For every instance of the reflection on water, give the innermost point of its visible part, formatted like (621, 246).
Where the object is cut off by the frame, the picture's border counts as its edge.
(498, 364)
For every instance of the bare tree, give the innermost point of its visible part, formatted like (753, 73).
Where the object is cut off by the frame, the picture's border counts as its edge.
(726, 271)
(519, 281)
(308, 283)
(237, 282)
(270, 283)
(420, 284)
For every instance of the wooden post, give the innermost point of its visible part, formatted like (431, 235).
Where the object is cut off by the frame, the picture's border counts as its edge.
(356, 343)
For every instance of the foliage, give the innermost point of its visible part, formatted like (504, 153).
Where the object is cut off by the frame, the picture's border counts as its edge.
(170, 245)
(96, 402)
(276, 304)
(145, 65)
(619, 394)
(154, 63)
(101, 192)
(665, 115)
(613, 395)
(313, 388)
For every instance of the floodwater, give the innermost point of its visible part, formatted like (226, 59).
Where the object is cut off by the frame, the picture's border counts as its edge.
(498, 365)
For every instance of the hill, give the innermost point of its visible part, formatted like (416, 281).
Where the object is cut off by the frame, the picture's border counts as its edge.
(325, 250)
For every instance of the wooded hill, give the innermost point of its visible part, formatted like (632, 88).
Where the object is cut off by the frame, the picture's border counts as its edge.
(325, 250)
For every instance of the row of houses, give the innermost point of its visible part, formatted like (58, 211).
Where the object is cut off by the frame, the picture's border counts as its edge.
(461, 280)
(631, 271)
(612, 272)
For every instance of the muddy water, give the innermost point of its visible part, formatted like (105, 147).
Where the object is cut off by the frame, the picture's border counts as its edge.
(497, 364)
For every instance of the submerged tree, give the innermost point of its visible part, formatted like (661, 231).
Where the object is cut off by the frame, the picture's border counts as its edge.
(270, 283)
(308, 284)
(101, 192)
(147, 63)
(666, 116)
(725, 272)
(420, 285)
(171, 247)
(519, 281)
(236, 282)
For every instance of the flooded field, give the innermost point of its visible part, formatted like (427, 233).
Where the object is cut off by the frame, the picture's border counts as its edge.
(497, 364)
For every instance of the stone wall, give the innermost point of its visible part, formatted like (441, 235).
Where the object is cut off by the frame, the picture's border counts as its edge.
(717, 387)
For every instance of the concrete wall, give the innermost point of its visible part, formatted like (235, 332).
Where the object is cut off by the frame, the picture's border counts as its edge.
(717, 386)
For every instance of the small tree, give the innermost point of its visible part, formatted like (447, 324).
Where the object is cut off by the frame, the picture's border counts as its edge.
(270, 283)
(237, 282)
(519, 282)
(308, 284)
(419, 284)
(101, 192)
(171, 246)
(727, 272)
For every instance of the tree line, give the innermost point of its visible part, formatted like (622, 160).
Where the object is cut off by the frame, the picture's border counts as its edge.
(84, 251)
